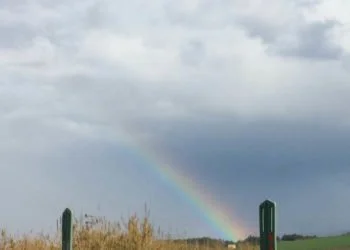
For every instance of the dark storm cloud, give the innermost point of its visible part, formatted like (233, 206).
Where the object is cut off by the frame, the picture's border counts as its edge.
(284, 149)
(245, 163)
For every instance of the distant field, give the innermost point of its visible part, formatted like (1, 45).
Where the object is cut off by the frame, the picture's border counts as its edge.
(326, 243)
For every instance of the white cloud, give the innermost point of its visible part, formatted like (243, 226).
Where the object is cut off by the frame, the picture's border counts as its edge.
(40, 51)
(228, 72)
(130, 53)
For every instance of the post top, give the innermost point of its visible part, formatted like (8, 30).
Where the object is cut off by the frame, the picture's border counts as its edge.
(67, 210)
(267, 202)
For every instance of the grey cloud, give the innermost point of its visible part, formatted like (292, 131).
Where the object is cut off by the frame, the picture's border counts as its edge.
(102, 14)
(95, 15)
(15, 35)
(46, 167)
(304, 40)
(307, 3)
(259, 29)
(129, 99)
(293, 37)
(274, 145)
(193, 53)
(313, 42)
(204, 16)
(43, 18)
(346, 61)
(14, 4)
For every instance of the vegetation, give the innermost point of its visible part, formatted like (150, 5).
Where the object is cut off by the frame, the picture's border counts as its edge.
(134, 234)
(293, 237)
(301, 242)
(139, 234)
(322, 243)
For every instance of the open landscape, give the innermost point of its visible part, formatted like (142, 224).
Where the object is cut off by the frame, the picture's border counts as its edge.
(137, 233)
(201, 109)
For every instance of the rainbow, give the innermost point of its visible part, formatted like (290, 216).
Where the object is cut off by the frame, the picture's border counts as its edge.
(220, 218)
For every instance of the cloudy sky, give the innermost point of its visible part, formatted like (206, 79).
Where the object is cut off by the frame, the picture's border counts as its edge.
(250, 98)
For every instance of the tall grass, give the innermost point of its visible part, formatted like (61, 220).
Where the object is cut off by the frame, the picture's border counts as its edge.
(139, 234)
(134, 234)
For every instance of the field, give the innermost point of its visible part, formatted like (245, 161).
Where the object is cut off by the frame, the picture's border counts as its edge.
(134, 234)
(326, 243)
(139, 234)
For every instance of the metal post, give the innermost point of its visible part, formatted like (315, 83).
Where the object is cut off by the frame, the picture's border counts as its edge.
(267, 223)
(67, 230)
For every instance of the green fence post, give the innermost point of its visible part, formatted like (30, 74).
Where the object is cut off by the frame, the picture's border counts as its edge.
(67, 230)
(267, 224)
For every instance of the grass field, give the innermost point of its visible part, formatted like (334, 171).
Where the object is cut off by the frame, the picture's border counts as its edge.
(139, 234)
(325, 243)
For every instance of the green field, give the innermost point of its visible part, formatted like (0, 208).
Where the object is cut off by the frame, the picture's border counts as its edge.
(324, 243)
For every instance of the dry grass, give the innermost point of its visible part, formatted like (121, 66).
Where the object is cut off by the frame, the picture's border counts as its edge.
(135, 234)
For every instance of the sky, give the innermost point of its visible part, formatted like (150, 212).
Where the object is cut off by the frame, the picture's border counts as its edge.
(248, 98)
